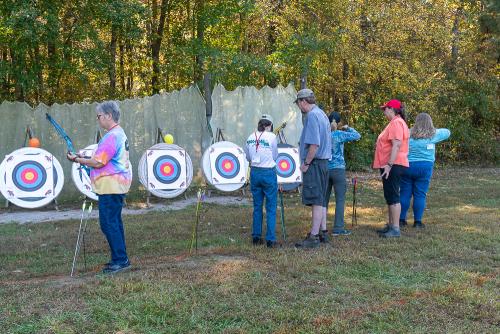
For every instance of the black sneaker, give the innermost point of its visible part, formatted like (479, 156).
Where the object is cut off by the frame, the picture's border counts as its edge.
(272, 244)
(116, 268)
(403, 223)
(311, 241)
(418, 224)
(257, 241)
(392, 233)
(383, 230)
(323, 237)
(341, 232)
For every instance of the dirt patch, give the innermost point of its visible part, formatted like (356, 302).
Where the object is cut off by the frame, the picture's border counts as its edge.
(24, 217)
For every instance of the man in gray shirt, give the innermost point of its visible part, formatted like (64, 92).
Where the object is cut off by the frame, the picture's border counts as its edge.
(315, 151)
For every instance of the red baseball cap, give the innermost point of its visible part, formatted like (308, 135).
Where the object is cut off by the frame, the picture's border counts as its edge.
(394, 104)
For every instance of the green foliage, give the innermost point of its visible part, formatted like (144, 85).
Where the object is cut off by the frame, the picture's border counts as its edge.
(439, 56)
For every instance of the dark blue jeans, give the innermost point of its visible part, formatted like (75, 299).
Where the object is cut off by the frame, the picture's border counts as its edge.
(110, 218)
(415, 182)
(264, 184)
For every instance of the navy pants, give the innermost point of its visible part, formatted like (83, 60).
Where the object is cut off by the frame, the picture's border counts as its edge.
(110, 219)
(415, 182)
(264, 184)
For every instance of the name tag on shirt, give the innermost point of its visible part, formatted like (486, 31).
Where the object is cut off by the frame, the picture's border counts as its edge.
(430, 146)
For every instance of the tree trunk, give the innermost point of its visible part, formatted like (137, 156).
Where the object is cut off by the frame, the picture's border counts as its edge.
(39, 73)
(112, 62)
(4, 57)
(455, 39)
(122, 65)
(208, 93)
(200, 35)
(156, 46)
(130, 73)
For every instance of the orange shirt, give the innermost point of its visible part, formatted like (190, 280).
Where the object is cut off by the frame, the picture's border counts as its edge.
(396, 129)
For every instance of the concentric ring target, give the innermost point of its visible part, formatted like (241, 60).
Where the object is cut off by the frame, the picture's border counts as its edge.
(286, 168)
(285, 165)
(166, 172)
(223, 168)
(29, 175)
(167, 169)
(227, 165)
(81, 178)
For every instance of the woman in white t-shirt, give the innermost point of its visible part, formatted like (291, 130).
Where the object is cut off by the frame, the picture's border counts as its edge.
(261, 150)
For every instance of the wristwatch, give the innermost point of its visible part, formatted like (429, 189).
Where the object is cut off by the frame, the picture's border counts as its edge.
(306, 164)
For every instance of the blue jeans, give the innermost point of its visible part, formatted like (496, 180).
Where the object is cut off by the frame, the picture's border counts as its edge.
(336, 179)
(415, 182)
(110, 218)
(264, 184)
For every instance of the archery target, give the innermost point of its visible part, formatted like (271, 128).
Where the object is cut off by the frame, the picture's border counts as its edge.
(80, 177)
(166, 170)
(30, 177)
(225, 166)
(288, 167)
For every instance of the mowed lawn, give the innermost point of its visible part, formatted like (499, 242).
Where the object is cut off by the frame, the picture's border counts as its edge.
(444, 279)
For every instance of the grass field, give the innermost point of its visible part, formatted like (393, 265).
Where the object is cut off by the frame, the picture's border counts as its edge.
(444, 279)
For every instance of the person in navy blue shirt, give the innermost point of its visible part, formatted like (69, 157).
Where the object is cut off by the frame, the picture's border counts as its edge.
(336, 174)
(416, 179)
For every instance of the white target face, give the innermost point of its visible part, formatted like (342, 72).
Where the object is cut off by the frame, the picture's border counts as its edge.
(166, 169)
(80, 175)
(30, 177)
(222, 154)
(163, 169)
(227, 165)
(288, 165)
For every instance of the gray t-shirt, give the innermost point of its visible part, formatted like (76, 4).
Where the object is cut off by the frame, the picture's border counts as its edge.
(316, 131)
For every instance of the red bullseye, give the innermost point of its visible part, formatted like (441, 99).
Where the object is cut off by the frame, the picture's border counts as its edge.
(284, 165)
(227, 165)
(29, 176)
(167, 169)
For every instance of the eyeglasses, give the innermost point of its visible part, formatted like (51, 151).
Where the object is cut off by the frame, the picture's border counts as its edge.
(98, 117)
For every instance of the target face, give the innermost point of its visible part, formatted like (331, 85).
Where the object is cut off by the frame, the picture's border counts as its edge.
(226, 165)
(166, 169)
(80, 177)
(30, 177)
(287, 165)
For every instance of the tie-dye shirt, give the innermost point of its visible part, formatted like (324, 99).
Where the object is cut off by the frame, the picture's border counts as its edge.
(116, 175)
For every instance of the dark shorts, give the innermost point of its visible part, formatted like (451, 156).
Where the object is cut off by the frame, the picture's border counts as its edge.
(392, 184)
(314, 183)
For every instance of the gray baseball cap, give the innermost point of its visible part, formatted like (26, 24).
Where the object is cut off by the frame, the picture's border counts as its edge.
(303, 94)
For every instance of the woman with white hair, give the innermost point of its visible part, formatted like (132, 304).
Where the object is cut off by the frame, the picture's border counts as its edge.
(111, 176)
(416, 179)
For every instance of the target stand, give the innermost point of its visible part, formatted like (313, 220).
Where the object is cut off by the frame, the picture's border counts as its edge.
(31, 178)
(287, 170)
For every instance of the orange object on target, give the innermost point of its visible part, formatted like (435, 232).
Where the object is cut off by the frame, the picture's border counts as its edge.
(34, 142)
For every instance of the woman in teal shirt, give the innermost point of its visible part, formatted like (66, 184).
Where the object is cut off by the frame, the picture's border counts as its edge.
(416, 179)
